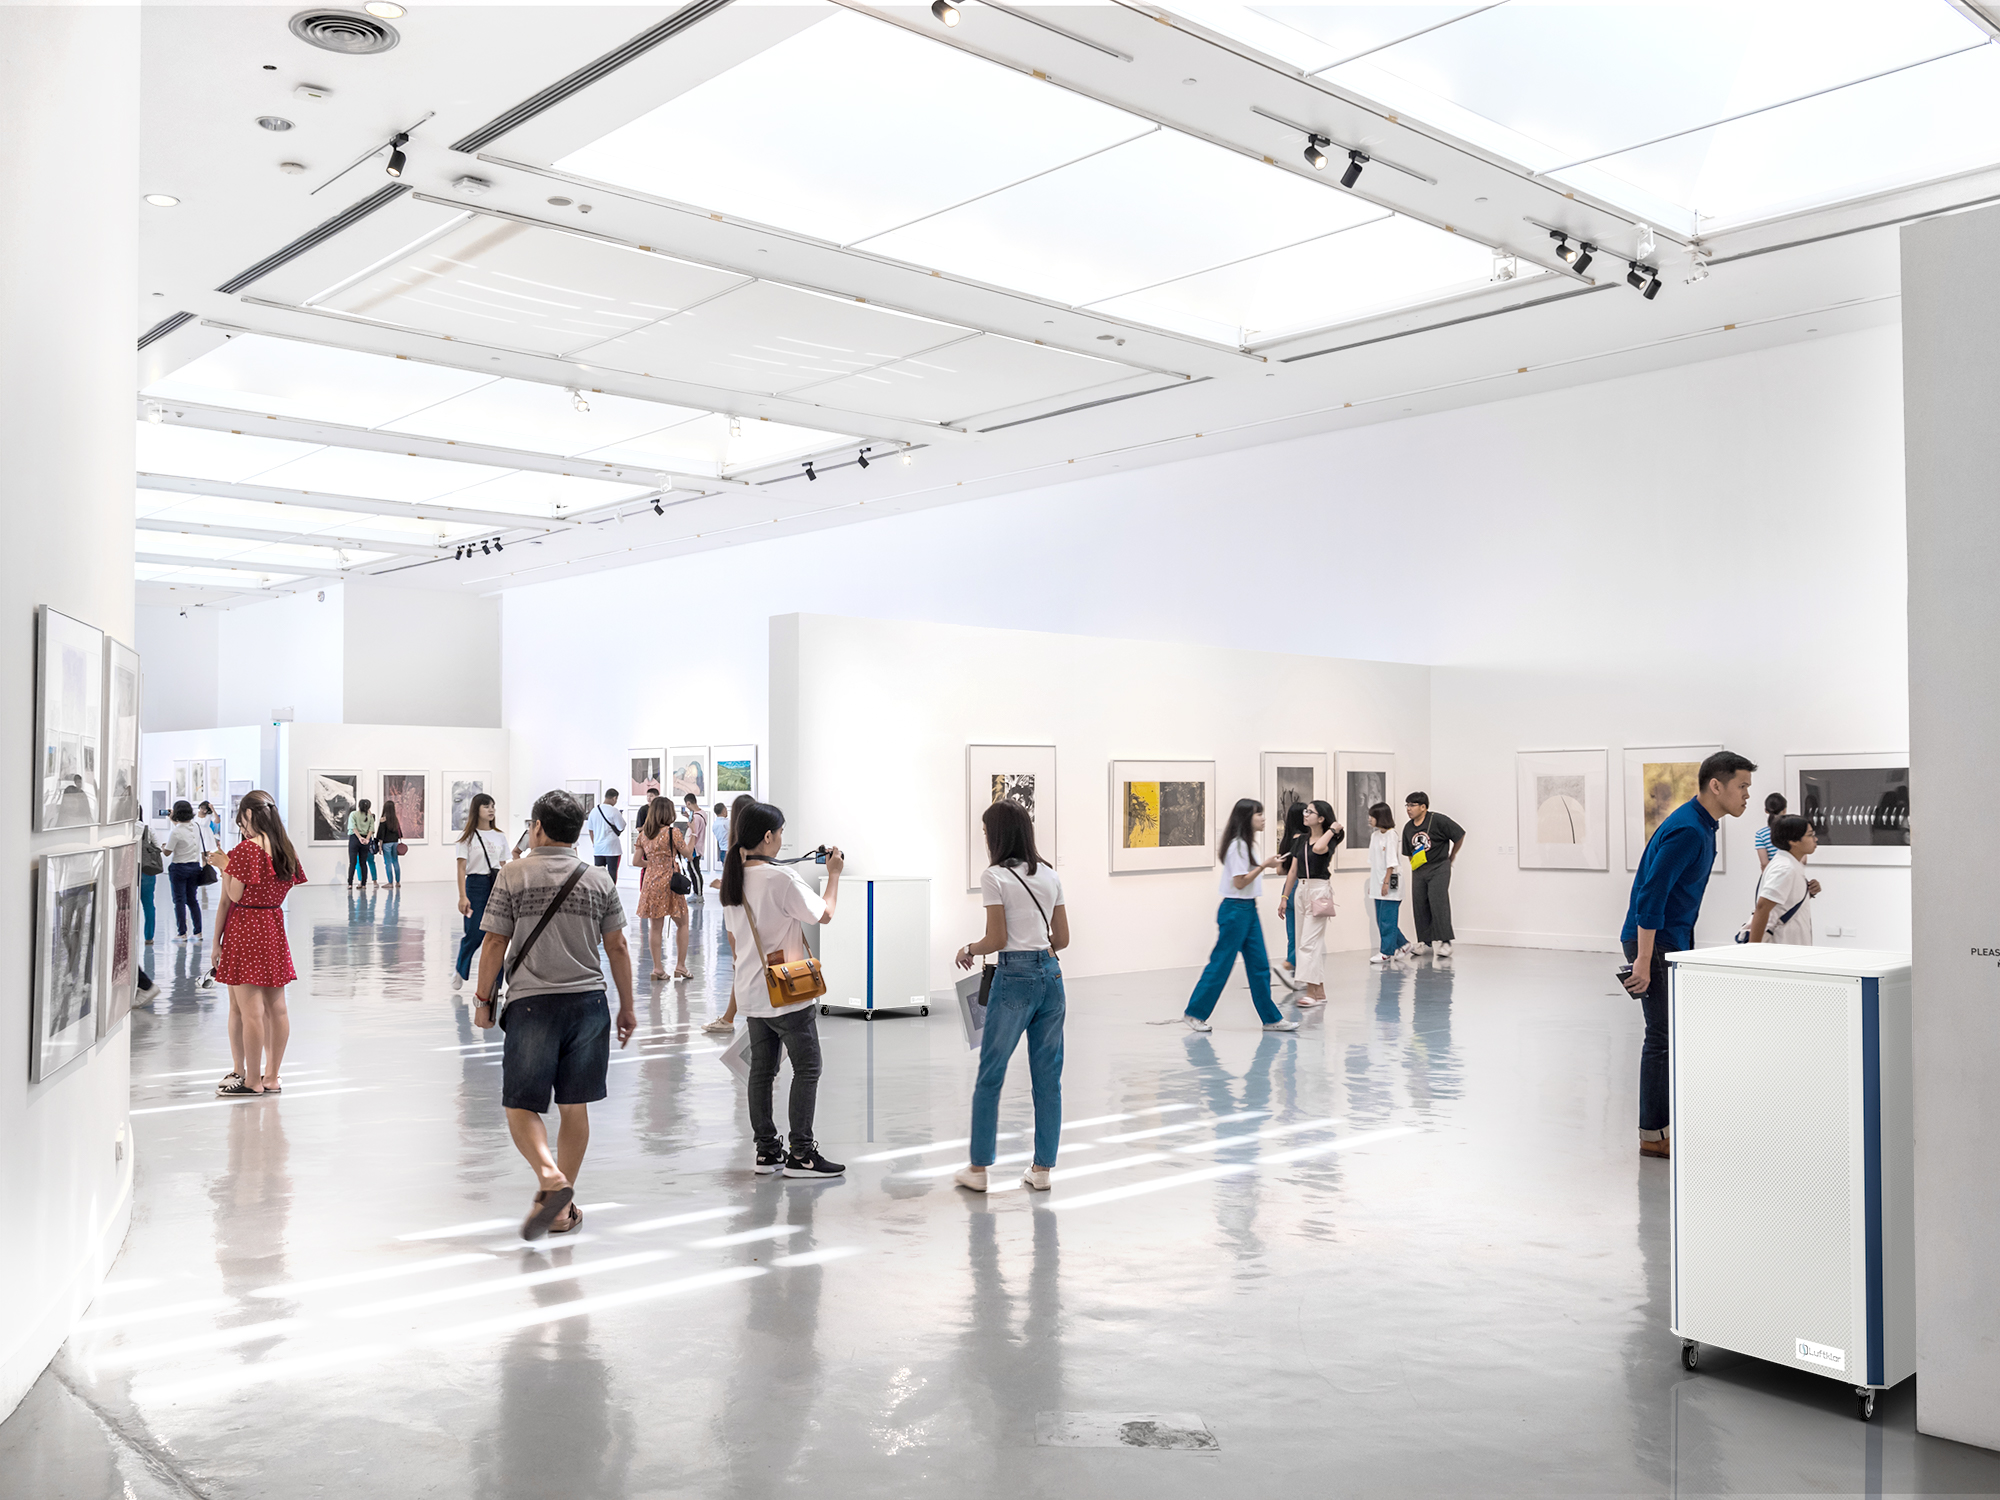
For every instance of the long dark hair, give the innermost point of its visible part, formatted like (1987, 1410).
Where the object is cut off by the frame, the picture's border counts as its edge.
(479, 800)
(1238, 827)
(391, 826)
(1295, 825)
(1010, 835)
(748, 827)
(260, 811)
(1327, 819)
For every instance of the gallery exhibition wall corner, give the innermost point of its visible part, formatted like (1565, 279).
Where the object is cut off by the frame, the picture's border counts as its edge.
(69, 178)
(897, 777)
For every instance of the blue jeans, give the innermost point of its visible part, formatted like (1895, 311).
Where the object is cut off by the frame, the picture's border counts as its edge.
(1388, 922)
(1237, 931)
(1291, 927)
(392, 865)
(477, 889)
(146, 901)
(185, 878)
(1026, 995)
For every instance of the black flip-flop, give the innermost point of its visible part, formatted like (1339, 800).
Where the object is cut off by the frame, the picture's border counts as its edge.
(549, 1204)
(239, 1091)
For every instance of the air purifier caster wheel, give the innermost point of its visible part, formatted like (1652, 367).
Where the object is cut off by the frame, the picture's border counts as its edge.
(1865, 1402)
(1690, 1353)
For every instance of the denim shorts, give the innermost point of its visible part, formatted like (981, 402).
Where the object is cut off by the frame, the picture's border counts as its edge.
(555, 1042)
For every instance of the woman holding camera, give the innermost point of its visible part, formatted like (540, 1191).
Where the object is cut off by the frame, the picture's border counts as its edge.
(1027, 926)
(658, 849)
(765, 907)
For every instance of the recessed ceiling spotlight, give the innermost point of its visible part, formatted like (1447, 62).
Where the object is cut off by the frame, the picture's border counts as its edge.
(1190, 80)
(291, 168)
(385, 10)
(945, 11)
(270, 67)
(162, 200)
(274, 122)
(1478, 200)
(583, 208)
(398, 161)
(1356, 160)
(1315, 153)
(561, 202)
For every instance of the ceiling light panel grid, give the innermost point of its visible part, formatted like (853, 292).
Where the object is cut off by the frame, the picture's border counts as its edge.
(542, 418)
(975, 376)
(286, 378)
(301, 521)
(719, 444)
(221, 578)
(244, 553)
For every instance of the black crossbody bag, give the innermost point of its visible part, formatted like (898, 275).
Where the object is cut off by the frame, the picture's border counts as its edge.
(986, 971)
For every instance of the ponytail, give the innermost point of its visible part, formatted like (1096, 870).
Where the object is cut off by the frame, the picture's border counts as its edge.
(747, 829)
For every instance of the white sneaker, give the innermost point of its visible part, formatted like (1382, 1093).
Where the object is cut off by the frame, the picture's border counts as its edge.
(1195, 1023)
(1444, 950)
(972, 1177)
(1282, 1026)
(1378, 958)
(1036, 1178)
(1415, 950)
(457, 983)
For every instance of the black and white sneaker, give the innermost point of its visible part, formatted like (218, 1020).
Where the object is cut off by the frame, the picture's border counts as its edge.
(769, 1162)
(810, 1163)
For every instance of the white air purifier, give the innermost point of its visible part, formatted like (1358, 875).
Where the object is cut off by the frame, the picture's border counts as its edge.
(1793, 1223)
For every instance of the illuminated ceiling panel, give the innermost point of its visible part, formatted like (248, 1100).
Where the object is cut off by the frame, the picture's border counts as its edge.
(286, 378)
(216, 578)
(376, 476)
(527, 493)
(978, 375)
(291, 519)
(718, 445)
(196, 453)
(541, 418)
(250, 553)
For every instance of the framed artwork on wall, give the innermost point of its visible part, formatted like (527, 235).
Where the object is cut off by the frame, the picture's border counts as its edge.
(1022, 774)
(69, 721)
(687, 771)
(409, 792)
(160, 806)
(118, 943)
(648, 775)
(120, 795)
(218, 783)
(1560, 803)
(197, 783)
(586, 792)
(1163, 815)
(1366, 778)
(1657, 781)
(238, 790)
(183, 782)
(1288, 778)
(335, 794)
(460, 787)
(66, 970)
(1858, 804)
(735, 768)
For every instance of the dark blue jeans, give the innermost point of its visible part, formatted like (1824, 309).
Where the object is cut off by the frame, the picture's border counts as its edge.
(556, 1044)
(1291, 928)
(477, 889)
(1026, 996)
(1653, 1050)
(1237, 931)
(1388, 923)
(186, 881)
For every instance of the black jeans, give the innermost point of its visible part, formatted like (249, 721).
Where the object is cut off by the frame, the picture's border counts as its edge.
(609, 862)
(186, 881)
(1430, 901)
(1653, 1051)
(798, 1033)
(694, 865)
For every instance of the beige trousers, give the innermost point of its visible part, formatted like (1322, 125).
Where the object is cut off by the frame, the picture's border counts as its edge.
(1312, 931)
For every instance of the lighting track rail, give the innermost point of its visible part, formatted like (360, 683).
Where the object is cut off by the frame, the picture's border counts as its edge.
(1367, 152)
(1062, 31)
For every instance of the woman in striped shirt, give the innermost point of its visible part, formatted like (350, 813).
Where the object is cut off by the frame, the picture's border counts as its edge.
(1774, 808)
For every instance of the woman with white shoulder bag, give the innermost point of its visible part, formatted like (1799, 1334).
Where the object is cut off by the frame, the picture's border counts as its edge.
(1312, 874)
(1784, 894)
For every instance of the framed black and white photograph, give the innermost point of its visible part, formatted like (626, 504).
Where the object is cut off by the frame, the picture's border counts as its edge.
(67, 981)
(120, 793)
(409, 792)
(460, 787)
(238, 790)
(123, 931)
(1858, 804)
(69, 721)
(585, 791)
(1163, 816)
(334, 794)
(1561, 806)
(1022, 774)
(1290, 778)
(1363, 778)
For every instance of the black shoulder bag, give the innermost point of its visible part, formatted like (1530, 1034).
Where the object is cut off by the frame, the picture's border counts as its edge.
(548, 916)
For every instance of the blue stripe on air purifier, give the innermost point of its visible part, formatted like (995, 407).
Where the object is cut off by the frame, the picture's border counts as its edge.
(871, 945)
(1871, 1145)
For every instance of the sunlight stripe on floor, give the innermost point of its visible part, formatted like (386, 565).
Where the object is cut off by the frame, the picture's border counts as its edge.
(1091, 1169)
(1259, 1135)
(287, 1097)
(1230, 1169)
(221, 1338)
(749, 1236)
(360, 1278)
(1158, 1130)
(498, 1285)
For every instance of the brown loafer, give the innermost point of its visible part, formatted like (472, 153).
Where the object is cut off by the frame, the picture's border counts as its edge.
(1661, 1149)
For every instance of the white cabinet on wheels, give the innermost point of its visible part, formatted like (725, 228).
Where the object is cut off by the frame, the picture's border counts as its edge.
(1793, 1213)
(876, 952)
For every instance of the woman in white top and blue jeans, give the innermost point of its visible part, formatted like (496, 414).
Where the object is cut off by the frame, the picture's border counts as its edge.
(1385, 881)
(1237, 927)
(1027, 926)
(482, 850)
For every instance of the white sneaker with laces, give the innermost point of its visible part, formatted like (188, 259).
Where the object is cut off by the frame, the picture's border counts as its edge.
(1444, 950)
(457, 984)
(1036, 1178)
(1196, 1023)
(971, 1177)
(1282, 1026)
(1378, 958)
(1415, 950)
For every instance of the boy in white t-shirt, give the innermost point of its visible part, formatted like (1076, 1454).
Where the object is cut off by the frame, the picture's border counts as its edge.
(1784, 894)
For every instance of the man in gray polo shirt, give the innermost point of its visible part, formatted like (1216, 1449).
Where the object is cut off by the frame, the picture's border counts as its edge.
(556, 1022)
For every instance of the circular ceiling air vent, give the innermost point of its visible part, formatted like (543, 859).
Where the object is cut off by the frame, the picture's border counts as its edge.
(344, 31)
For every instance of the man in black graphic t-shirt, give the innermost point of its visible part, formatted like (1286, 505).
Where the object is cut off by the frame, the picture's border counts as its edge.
(1431, 841)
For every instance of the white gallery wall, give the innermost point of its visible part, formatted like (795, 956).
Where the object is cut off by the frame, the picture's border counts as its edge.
(177, 662)
(284, 655)
(68, 251)
(419, 656)
(1709, 554)
(862, 761)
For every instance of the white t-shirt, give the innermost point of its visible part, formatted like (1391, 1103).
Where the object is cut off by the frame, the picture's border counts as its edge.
(484, 853)
(1007, 888)
(186, 844)
(605, 825)
(1385, 853)
(780, 901)
(1238, 862)
(1784, 883)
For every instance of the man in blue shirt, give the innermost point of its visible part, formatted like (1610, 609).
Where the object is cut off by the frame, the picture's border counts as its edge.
(606, 825)
(1666, 900)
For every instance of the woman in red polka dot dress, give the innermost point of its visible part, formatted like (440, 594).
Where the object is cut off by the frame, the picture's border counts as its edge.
(252, 956)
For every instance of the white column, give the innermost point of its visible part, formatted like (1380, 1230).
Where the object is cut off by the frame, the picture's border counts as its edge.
(1951, 443)
(69, 206)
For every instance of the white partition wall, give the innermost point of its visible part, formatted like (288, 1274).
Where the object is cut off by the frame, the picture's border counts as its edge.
(1951, 385)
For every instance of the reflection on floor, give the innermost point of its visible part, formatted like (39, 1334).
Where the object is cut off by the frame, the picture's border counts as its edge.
(1408, 1251)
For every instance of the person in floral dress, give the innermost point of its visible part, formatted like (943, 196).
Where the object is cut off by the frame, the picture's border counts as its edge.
(658, 848)
(252, 955)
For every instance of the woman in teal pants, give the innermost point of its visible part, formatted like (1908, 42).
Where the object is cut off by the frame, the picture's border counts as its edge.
(1237, 927)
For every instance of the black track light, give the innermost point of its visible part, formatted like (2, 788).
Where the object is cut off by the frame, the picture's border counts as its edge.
(862, 458)
(398, 161)
(496, 545)
(809, 470)
(1565, 251)
(658, 509)
(945, 11)
(1316, 151)
(487, 548)
(1645, 280)
(1634, 277)
(1356, 160)
(1652, 284)
(1582, 262)
(459, 555)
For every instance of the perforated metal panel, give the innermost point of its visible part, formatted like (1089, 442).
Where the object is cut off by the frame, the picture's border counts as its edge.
(1767, 1154)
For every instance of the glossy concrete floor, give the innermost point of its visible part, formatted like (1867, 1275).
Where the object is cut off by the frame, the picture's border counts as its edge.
(1427, 1262)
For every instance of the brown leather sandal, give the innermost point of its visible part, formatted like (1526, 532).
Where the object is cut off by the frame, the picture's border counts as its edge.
(549, 1204)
